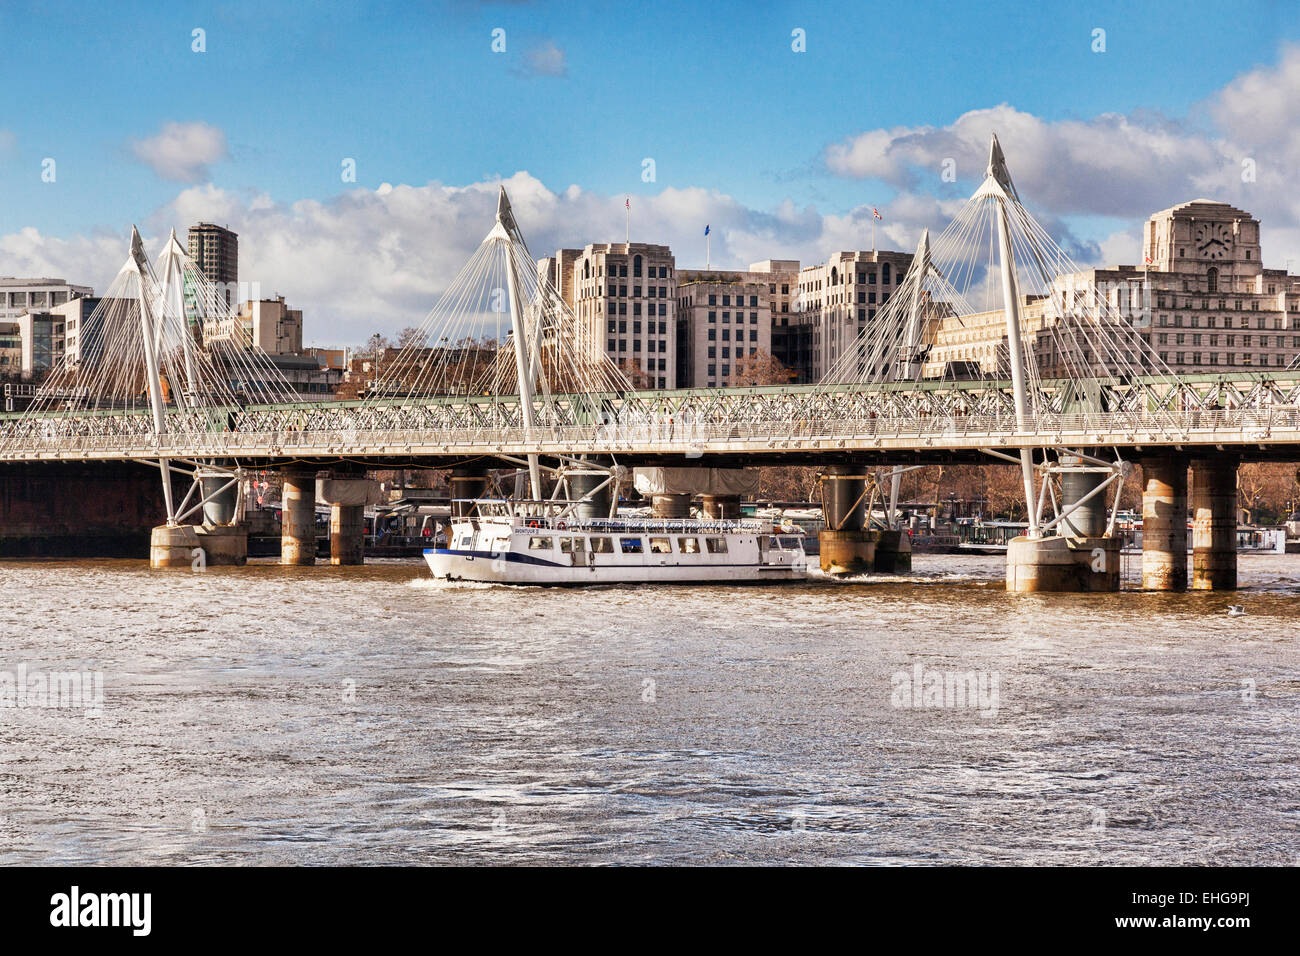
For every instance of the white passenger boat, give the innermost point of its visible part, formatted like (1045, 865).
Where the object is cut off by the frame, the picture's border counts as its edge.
(513, 542)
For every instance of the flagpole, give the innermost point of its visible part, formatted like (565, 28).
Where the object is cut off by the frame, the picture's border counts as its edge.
(629, 220)
(708, 259)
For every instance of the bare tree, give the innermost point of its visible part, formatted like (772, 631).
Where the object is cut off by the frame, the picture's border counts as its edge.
(410, 336)
(761, 368)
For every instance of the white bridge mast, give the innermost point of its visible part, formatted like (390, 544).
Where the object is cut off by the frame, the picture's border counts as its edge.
(153, 379)
(507, 231)
(998, 186)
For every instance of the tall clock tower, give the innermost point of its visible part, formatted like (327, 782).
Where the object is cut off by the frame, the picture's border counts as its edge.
(1204, 237)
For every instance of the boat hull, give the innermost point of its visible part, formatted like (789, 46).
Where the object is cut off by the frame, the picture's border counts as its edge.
(512, 568)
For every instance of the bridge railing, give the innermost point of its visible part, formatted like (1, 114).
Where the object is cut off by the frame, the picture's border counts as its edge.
(1234, 425)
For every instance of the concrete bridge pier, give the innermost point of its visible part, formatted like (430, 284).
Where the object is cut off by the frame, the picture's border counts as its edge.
(467, 481)
(173, 546)
(347, 534)
(298, 516)
(1214, 523)
(845, 544)
(1080, 557)
(222, 539)
(347, 494)
(597, 509)
(670, 506)
(893, 551)
(720, 507)
(1164, 523)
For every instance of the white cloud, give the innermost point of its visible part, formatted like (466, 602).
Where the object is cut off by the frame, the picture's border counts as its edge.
(182, 152)
(83, 260)
(376, 260)
(1107, 165)
(1119, 166)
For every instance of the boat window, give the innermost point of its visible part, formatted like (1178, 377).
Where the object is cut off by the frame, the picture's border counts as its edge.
(632, 545)
(688, 545)
(716, 545)
(538, 543)
(464, 542)
(570, 545)
(602, 546)
(661, 546)
(790, 543)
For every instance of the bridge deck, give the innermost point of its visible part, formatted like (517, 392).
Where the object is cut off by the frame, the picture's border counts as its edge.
(766, 422)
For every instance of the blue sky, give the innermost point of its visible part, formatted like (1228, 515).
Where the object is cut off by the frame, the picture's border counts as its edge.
(584, 92)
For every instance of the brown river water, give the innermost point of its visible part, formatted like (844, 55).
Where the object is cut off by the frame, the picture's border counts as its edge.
(265, 715)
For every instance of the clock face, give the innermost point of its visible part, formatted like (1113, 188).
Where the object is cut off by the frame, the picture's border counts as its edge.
(1213, 240)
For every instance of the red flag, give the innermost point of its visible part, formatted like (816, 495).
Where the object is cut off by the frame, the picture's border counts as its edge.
(628, 202)
(875, 213)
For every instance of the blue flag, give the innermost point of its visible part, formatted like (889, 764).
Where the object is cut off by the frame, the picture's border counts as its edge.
(706, 230)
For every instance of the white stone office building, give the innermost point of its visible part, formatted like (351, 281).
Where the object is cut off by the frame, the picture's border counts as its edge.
(722, 318)
(625, 295)
(1202, 301)
(838, 298)
(31, 330)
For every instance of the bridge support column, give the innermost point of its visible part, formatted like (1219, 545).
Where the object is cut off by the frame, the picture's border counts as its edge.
(1063, 564)
(176, 546)
(467, 482)
(172, 546)
(223, 544)
(348, 494)
(598, 508)
(670, 506)
(719, 507)
(1164, 523)
(1214, 523)
(298, 517)
(1089, 519)
(1081, 557)
(846, 546)
(893, 552)
(347, 534)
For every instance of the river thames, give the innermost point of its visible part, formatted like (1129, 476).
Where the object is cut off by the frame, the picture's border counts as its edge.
(265, 715)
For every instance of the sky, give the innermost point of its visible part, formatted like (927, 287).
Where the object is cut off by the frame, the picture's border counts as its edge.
(778, 124)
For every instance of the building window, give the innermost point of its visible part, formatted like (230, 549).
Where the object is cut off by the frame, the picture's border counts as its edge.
(1212, 281)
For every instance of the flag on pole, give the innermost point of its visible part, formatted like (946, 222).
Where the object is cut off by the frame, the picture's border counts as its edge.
(628, 202)
(875, 213)
(706, 230)
(1148, 260)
